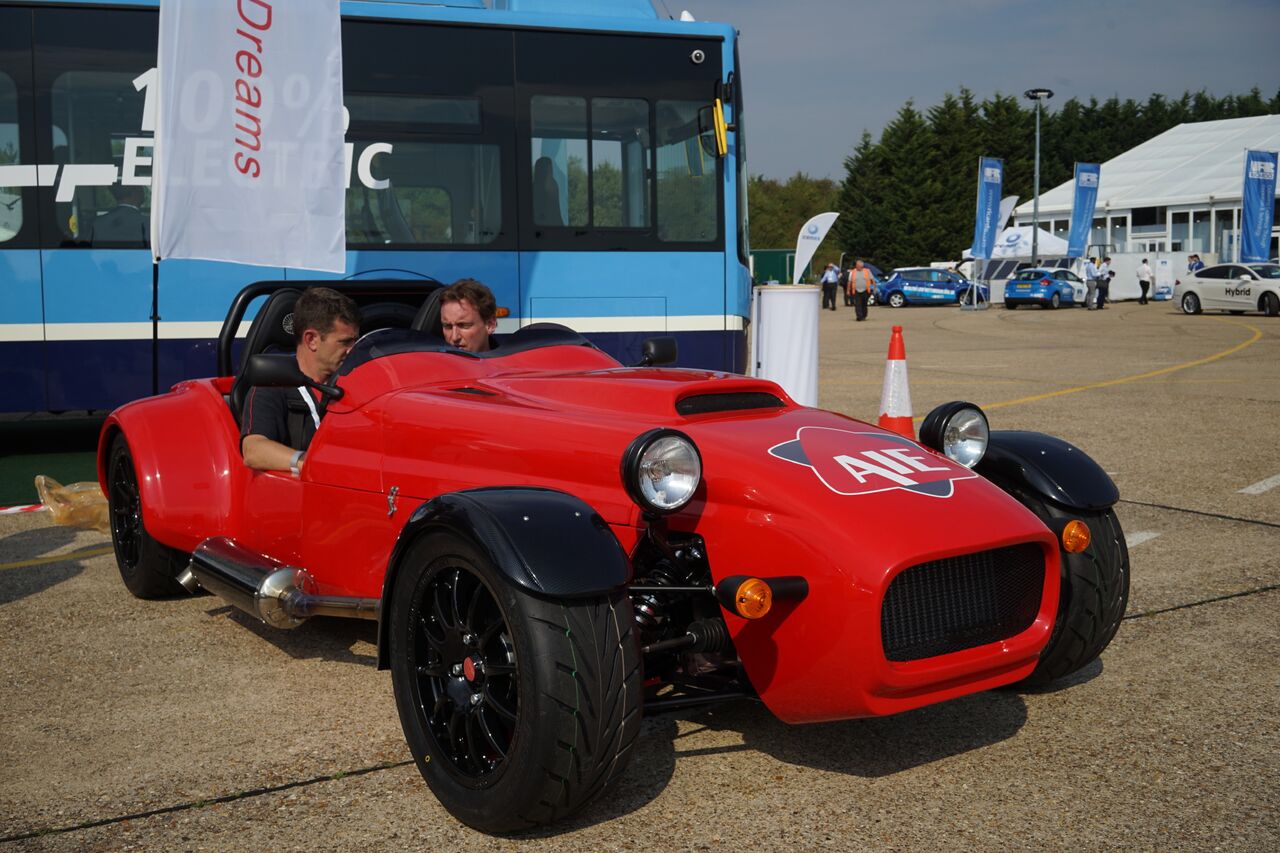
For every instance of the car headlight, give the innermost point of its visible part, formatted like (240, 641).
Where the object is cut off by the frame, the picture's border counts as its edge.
(661, 470)
(957, 430)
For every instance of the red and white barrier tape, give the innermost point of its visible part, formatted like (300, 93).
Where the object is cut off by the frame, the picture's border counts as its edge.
(13, 510)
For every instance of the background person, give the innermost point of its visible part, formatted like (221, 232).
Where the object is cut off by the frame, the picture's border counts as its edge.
(124, 223)
(1105, 274)
(326, 324)
(1145, 277)
(468, 315)
(861, 281)
(830, 277)
(1091, 276)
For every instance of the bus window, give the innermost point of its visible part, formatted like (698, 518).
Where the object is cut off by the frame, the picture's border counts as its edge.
(10, 197)
(94, 114)
(620, 153)
(559, 136)
(686, 175)
(421, 194)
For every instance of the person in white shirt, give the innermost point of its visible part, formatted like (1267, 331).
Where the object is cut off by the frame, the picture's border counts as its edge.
(1091, 276)
(1145, 277)
(1104, 283)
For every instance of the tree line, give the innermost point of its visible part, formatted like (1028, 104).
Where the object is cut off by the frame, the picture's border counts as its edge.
(909, 197)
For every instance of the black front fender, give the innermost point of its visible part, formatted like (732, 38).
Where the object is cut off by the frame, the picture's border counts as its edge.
(1054, 469)
(548, 542)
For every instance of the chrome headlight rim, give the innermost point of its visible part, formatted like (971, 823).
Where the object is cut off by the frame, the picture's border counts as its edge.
(970, 451)
(633, 458)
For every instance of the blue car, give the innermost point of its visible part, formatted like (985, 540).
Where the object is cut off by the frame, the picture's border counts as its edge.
(925, 286)
(1048, 288)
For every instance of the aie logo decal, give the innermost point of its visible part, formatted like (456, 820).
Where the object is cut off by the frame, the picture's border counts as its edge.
(863, 463)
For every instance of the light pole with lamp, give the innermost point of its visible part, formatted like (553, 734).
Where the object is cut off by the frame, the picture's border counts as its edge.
(1036, 95)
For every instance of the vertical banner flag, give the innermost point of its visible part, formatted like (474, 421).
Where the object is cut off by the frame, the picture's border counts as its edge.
(987, 221)
(1082, 207)
(250, 164)
(1259, 206)
(811, 236)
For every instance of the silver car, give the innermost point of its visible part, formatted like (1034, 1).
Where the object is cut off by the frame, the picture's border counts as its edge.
(1231, 287)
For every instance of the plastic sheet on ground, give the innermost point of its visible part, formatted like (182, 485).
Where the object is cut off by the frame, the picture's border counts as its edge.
(81, 505)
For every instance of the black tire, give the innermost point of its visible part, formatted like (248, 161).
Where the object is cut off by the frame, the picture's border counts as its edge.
(897, 300)
(1270, 304)
(148, 568)
(1190, 303)
(1093, 597)
(1055, 301)
(1010, 305)
(558, 685)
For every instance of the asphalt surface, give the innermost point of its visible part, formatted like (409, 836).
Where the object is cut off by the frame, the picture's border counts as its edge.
(183, 725)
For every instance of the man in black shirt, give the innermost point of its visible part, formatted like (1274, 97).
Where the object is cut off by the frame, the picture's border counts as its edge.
(325, 324)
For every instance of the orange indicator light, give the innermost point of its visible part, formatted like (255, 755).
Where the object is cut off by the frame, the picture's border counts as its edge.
(753, 598)
(1075, 536)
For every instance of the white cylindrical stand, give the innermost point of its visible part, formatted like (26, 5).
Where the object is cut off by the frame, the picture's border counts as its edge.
(784, 338)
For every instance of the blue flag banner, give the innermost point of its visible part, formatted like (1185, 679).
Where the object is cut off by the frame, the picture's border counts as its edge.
(1259, 207)
(1086, 198)
(987, 220)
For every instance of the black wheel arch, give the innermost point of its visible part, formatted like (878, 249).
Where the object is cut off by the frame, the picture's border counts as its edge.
(546, 541)
(1046, 465)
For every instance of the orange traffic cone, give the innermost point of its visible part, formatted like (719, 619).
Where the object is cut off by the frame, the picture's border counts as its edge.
(895, 399)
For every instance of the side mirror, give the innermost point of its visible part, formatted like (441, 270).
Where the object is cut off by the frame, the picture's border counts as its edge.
(278, 370)
(658, 351)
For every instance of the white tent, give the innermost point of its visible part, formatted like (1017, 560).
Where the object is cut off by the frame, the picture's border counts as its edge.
(1015, 242)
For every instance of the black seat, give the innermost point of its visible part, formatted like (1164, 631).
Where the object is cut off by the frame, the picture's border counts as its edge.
(272, 331)
(428, 317)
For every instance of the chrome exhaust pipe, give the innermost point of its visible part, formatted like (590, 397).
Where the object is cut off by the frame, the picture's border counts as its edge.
(281, 596)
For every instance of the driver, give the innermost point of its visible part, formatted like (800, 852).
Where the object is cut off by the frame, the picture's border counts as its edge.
(326, 324)
(468, 315)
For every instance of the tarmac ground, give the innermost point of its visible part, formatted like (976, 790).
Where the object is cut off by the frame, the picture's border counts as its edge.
(185, 725)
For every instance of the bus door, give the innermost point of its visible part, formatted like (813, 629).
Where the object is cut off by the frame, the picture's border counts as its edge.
(92, 67)
(21, 310)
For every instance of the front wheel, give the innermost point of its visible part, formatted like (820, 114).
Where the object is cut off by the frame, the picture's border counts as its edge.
(897, 300)
(1190, 303)
(1093, 596)
(148, 568)
(518, 709)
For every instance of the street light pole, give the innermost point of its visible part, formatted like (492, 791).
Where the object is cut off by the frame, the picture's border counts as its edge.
(1036, 95)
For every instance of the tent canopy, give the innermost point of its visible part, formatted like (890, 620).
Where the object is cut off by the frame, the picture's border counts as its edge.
(1016, 243)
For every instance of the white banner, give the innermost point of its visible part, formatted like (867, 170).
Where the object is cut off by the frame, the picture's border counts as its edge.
(811, 235)
(249, 161)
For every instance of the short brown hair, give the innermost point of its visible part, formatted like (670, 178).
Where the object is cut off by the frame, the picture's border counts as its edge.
(475, 292)
(320, 307)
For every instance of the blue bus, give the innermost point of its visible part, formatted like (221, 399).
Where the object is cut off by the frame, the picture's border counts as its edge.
(573, 155)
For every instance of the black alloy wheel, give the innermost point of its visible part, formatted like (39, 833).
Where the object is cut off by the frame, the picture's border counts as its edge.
(518, 709)
(148, 568)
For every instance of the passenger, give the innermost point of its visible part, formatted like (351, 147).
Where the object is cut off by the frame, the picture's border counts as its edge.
(326, 324)
(468, 315)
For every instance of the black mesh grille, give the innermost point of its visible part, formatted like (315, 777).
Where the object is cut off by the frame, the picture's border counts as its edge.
(701, 404)
(961, 602)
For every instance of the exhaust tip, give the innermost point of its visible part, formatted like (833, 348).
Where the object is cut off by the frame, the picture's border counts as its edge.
(188, 580)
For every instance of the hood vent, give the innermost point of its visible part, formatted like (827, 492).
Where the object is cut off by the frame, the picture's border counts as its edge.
(701, 404)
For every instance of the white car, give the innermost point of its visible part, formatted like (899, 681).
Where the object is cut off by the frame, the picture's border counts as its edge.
(1231, 287)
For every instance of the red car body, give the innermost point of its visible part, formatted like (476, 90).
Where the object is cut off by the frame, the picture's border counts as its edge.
(786, 490)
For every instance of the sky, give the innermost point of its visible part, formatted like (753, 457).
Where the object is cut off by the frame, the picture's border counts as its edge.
(817, 73)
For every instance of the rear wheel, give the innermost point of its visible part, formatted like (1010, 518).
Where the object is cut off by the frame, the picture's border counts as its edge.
(518, 709)
(1010, 305)
(1270, 304)
(1190, 303)
(148, 569)
(1093, 597)
(1055, 301)
(897, 300)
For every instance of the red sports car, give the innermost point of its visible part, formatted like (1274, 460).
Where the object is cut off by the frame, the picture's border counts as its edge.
(553, 544)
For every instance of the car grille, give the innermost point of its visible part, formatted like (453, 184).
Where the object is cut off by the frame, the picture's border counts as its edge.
(947, 605)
